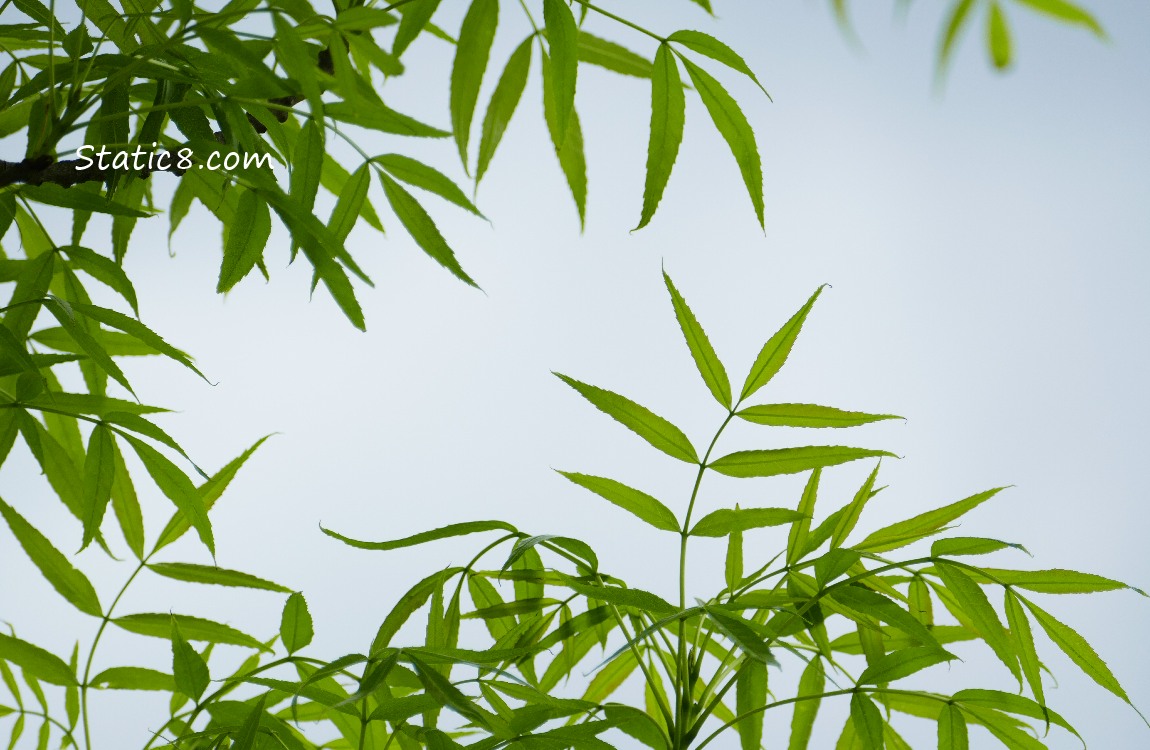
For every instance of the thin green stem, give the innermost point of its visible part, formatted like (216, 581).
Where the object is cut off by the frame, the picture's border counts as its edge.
(619, 19)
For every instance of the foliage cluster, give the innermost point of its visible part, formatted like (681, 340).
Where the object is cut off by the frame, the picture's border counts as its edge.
(281, 78)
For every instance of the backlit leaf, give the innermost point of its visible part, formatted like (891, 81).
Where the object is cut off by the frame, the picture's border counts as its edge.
(807, 415)
(503, 103)
(471, 54)
(705, 44)
(1078, 649)
(193, 573)
(774, 353)
(422, 229)
(559, 86)
(247, 235)
(157, 625)
(712, 370)
(296, 629)
(668, 115)
(35, 661)
(99, 475)
(725, 521)
(769, 463)
(638, 503)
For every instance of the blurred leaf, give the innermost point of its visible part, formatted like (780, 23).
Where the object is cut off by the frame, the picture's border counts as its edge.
(646, 424)
(68, 582)
(808, 415)
(998, 37)
(415, 18)
(133, 678)
(638, 503)
(726, 521)
(769, 463)
(504, 101)
(1065, 11)
(296, 629)
(471, 55)
(668, 115)
(612, 56)
(955, 24)
(732, 124)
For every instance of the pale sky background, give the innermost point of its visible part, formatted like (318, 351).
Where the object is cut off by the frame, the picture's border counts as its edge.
(987, 248)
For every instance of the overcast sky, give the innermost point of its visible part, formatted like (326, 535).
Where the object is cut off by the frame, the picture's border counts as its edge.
(987, 249)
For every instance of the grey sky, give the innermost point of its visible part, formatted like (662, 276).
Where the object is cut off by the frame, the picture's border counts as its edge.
(987, 249)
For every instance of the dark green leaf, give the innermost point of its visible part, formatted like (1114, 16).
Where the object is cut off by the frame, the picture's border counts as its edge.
(471, 54)
(646, 424)
(639, 503)
(726, 521)
(732, 124)
(668, 115)
(77, 200)
(68, 582)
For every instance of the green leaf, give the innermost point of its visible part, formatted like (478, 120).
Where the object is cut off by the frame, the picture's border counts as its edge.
(864, 601)
(415, 598)
(800, 529)
(668, 115)
(105, 270)
(471, 55)
(157, 625)
(998, 37)
(774, 353)
(176, 486)
(126, 506)
(99, 476)
(63, 312)
(612, 56)
(568, 146)
(952, 733)
(712, 370)
(77, 200)
(245, 739)
(415, 18)
(854, 509)
(955, 24)
(210, 491)
(35, 661)
(769, 463)
(248, 234)
(637, 598)
(445, 532)
(812, 683)
(732, 124)
(350, 204)
(646, 424)
(807, 415)
(190, 672)
(638, 503)
(193, 573)
(705, 44)
(1078, 649)
(903, 663)
(68, 582)
(727, 521)
(969, 545)
(904, 532)
(422, 229)
(1054, 581)
(982, 616)
(1011, 703)
(504, 101)
(867, 722)
(563, 41)
(750, 694)
(307, 165)
(296, 629)
(133, 678)
(137, 330)
(1065, 11)
(420, 175)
